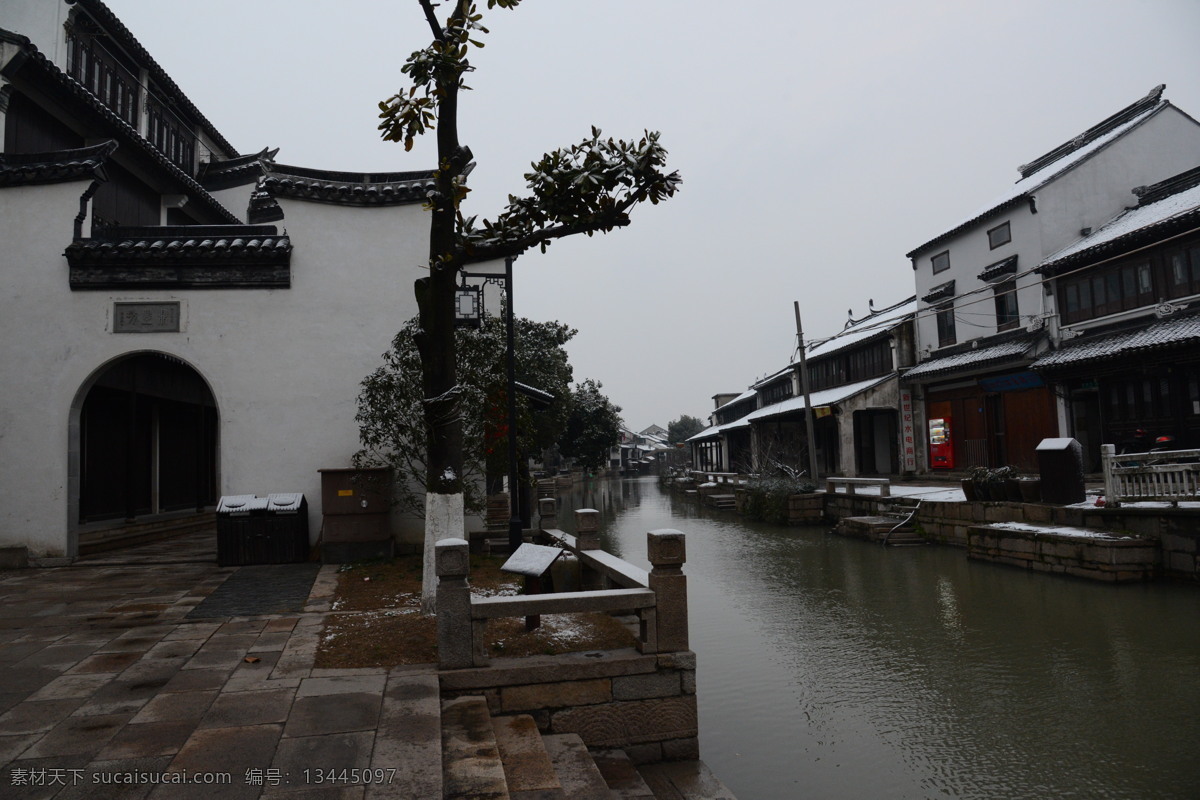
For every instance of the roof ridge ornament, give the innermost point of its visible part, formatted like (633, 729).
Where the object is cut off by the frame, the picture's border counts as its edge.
(1168, 309)
(1105, 126)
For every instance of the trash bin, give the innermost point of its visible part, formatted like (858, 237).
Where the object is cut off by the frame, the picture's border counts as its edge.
(1060, 464)
(262, 530)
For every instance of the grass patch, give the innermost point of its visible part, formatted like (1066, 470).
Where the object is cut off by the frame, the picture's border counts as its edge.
(377, 622)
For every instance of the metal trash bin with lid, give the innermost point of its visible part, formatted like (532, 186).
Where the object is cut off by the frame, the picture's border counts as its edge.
(262, 530)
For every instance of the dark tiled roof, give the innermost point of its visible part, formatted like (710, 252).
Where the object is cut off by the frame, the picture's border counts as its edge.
(27, 169)
(225, 173)
(348, 188)
(49, 77)
(939, 292)
(176, 242)
(1009, 347)
(1165, 337)
(1148, 195)
(1093, 133)
(999, 270)
(109, 21)
(187, 256)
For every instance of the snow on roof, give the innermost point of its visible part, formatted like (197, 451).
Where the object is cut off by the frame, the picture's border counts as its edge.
(1133, 220)
(970, 358)
(863, 329)
(1167, 333)
(746, 395)
(761, 382)
(824, 397)
(708, 433)
(1030, 183)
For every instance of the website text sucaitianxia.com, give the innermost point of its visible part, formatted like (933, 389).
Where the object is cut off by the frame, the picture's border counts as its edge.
(19, 776)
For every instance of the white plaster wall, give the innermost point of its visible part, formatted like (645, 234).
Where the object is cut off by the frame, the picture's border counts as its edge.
(1102, 187)
(236, 199)
(284, 364)
(1094, 192)
(42, 21)
(44, 331)
(974, 304)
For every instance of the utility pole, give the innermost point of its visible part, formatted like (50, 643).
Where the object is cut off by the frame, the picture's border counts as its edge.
(808, 409)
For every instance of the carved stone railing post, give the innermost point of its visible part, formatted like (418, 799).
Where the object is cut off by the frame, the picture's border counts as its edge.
(667, 553)
(547, 513)
(587, 529)
(1112, 491)
(587, 537)
(455, 633)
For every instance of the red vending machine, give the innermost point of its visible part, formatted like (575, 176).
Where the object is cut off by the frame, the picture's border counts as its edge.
(941, 449)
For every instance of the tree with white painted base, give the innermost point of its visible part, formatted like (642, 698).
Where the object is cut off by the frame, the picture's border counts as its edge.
(588, 187)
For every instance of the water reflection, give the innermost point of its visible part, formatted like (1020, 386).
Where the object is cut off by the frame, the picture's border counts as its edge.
(833, 668)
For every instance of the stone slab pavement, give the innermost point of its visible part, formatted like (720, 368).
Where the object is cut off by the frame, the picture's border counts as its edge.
(112, 686)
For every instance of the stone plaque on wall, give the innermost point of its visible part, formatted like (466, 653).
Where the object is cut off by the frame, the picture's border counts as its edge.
(146, 317)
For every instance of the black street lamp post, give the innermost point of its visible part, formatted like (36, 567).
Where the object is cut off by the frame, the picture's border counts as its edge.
(468, 312)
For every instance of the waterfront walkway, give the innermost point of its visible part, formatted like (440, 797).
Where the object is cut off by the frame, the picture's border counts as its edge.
(128, 670)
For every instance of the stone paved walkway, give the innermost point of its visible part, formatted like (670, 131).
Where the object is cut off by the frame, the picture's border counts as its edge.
(106, 675)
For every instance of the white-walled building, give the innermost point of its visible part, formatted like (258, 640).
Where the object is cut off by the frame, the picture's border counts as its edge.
(177, 321)
(984, 313)
(863, 418)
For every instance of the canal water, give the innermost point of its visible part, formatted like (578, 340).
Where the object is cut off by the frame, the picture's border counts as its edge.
(835, 668)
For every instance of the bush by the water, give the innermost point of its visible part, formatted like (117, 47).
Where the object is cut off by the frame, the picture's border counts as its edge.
(767, 498)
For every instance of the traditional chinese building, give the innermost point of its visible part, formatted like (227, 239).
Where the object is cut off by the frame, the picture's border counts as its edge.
(180, 320)
(1128, 295)
(985, 316)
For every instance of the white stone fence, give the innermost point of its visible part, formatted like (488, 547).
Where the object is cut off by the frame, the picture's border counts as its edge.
(1167, 475)
(658, 597)
(732, 479)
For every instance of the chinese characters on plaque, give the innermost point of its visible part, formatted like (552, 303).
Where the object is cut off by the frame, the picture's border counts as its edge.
(146, 317)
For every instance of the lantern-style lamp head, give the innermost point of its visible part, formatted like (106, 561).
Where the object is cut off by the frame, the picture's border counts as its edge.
(468, 306)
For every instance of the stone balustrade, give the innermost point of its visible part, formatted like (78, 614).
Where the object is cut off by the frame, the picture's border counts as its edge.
(729, 479)
(642, 700)
(1170, 475)
(659, 597)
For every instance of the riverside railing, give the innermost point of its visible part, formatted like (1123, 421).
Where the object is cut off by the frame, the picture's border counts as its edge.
(1167, 475)
(658, 597)
(732, 479)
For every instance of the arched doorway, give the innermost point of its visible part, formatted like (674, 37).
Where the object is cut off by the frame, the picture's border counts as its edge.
(147, 440)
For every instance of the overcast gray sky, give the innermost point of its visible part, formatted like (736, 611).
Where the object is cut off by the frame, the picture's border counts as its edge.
(818, 142)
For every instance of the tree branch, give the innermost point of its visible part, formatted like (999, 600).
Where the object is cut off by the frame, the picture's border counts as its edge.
(476, 253)
(431, 18)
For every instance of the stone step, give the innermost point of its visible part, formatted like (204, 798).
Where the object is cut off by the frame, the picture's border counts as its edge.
(471, 766)
(410, 724)
(576, 769)
(527, 768)
(903, 538)
(684, 780)
(622, 777)
(724, 501)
